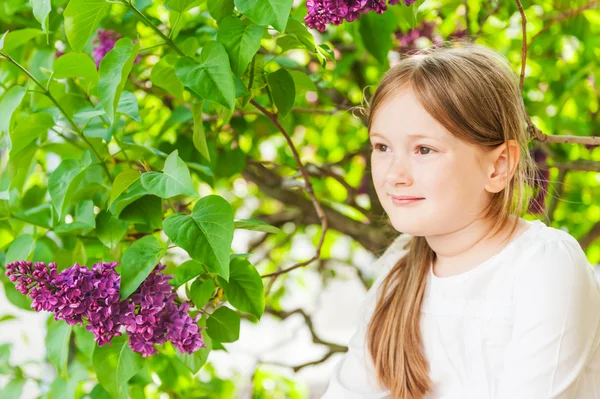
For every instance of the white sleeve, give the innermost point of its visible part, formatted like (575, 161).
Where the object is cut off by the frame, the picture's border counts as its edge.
(354, 376)
(556, 324)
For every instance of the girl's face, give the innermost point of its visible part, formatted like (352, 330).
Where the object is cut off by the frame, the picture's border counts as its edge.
(413, 155)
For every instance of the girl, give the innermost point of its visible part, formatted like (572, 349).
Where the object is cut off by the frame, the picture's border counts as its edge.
(484, 304)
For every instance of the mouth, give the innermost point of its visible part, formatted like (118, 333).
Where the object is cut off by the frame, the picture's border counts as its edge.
(405, 200)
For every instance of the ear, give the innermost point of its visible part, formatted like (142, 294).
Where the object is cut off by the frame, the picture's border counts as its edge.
(500, 162)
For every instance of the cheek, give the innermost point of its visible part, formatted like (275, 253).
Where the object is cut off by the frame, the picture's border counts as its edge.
(378, 170)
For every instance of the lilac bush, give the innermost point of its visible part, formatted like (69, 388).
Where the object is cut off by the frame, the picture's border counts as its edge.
(324, 12)
(81, 296)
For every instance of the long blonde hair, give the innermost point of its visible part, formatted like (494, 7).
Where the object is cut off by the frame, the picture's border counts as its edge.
(472, 91)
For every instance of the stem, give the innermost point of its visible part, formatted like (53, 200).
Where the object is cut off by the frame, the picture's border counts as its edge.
(67, 139)
(60, 108)
(251, 81)
(174, 25)
(153, 27)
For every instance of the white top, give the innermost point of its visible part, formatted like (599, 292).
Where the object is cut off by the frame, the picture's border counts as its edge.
(525, 324)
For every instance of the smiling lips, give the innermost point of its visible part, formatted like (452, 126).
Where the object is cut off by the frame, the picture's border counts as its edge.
(403, 200)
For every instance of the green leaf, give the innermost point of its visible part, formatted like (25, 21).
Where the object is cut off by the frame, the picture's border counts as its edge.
(13, 389)
(206, 234)
(28, 130)
(195, 361)
(15, 297)
(2, 40)
(81, 19)
(223, 325)
(99, 393)
(18, 38)
(302, 82)
(122, 181)
(75, 65)
(175, 179)
(20, 249)
(376, 31)
(266, 12)
(298, 30)
(19, 167)
(211, 78)
(146, 210)
(185, 272)
(8, 104)
(132, 193)
(256, 225)
(41, 10)
(199, 137)
(241, 40)
(63, 182)
(245, 289)
(7, 317)
(57, 345)
(128, 105)
(181, 5)
(84, 218)
(202, 291)
(137, 262)
(408, 15)
(110, 229)
(163, 75)
(84, 341)
(115, 364)
(219, 9)
(114, 70)
(283, 90)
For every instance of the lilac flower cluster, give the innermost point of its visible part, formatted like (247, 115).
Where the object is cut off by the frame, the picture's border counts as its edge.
(105, 41)
(537, 204)
(324, 12)
(81, 296)
(406, 41)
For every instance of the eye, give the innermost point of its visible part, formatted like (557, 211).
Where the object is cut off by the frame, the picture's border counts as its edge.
(431, 150)
(378, 146)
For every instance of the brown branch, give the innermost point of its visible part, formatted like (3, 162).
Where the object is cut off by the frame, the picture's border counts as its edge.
(486, 16)
(580, 164)
(308, 188)
(524, 45)
(568, 14)
(533, 130)
(371, 236)
(333, 348)
(560, 182)
(590, 236)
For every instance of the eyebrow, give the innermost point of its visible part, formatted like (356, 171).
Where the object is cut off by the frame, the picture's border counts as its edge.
(410, 135)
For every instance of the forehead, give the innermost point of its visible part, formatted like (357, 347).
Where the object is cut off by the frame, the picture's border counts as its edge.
(401, 116)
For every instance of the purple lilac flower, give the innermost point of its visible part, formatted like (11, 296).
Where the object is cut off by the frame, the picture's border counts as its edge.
(324, 12)
(158, 319)
(105, 41)
(407, 41)
(81, 296)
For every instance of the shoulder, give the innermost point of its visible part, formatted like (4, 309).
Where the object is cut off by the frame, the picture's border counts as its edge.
(549, 245)
(554, 260)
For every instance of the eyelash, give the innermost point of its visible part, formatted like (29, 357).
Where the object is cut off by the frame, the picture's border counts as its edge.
(375, 146)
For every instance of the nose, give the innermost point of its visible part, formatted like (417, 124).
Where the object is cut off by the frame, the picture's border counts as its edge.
(398, 172)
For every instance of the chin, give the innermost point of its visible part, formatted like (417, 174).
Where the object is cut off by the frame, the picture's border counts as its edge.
(407, 228)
